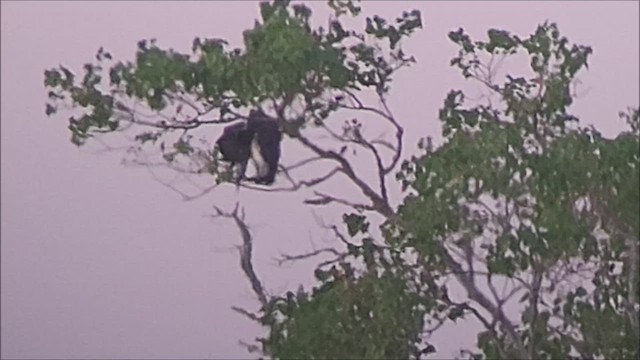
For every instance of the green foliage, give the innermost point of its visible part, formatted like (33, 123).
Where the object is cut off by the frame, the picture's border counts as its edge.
(370, 317)
(376, 315)
(519, 191)
(283, 58)
(527, 190)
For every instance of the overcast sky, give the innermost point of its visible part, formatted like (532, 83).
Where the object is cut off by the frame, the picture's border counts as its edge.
(101, 261)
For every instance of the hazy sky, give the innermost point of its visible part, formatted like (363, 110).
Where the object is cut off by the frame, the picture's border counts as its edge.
(101, 261)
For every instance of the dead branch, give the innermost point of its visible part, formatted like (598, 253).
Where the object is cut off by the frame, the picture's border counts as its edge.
(245, 251)
(246, 313)
(301, 163)
(284, 258)
(335, 260)
(383, 143)
(399, 136)
(324, 199)
(338, 234)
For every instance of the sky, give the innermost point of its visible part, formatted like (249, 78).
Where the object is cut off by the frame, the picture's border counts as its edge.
(99, 260)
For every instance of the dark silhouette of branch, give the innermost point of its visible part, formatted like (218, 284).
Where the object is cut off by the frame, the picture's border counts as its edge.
(127, 114)
(387, 115)
(301, 163)
(284, 258)
(245, 251)
(361, 141)
(399, 136)
(384, 143)
(490, 326)
(324, 199)
(338, 234)
(427, 270)
(378, 203)
(381, 169)
(246, 313)
(534, 296)
(295, 185)
(466, 280)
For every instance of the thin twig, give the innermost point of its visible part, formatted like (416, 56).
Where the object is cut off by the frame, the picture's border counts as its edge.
(246, 313)
(284, 258)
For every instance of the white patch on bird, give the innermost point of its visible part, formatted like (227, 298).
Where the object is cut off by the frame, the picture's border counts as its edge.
(262, 168)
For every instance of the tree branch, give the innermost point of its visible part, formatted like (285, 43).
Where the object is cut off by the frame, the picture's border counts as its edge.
(245, 252)
(476, 295)
(378, 203)
(327, 199)
(296, 185)
(284, 258)
(246, 313)
(128, 114)
(387, 115)
(360, 140)
(534, 296)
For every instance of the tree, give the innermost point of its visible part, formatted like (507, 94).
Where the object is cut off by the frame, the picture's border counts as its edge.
(519, 194)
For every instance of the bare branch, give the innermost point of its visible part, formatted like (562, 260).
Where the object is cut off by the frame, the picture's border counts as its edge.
(378, 203)
(476, 295)
(490, 326)
(291, 258)
(181, 172)
(296, 185)
(301, 163)
(360, 140)
(384, 143)
(440, 322)
(338, 234)
(492, 288)
(129, 115)
(246, 313)
(334, 260)
(324, 199)
(245, 252)
(380, 166)
(534, 296)
(312, 182)
(386, 115)
(191, 104)
(399, 136)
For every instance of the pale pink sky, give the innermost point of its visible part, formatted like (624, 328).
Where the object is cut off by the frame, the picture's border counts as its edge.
(101, 261)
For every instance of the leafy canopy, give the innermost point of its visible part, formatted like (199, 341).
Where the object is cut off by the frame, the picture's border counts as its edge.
(520, 194)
